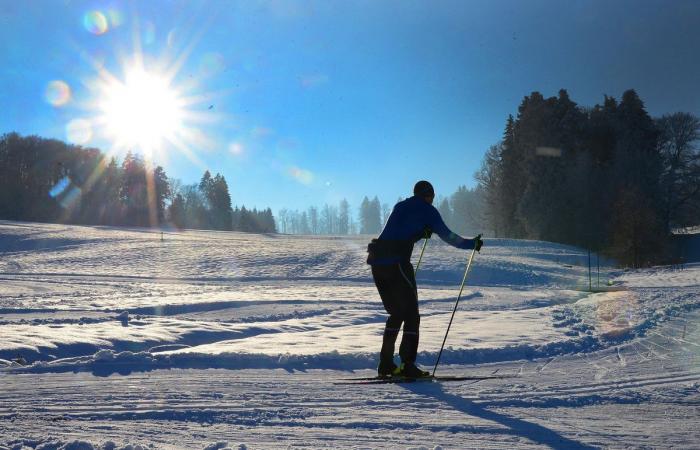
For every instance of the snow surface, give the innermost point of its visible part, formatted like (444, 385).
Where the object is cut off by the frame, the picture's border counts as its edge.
(113, 339)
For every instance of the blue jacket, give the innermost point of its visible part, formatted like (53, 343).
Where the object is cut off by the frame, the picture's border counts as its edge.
(407, 224)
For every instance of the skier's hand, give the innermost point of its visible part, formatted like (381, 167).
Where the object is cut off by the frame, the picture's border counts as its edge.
(478, 243)
(427, 233)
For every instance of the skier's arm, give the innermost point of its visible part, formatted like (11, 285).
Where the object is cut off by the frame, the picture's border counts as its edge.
(437, 225)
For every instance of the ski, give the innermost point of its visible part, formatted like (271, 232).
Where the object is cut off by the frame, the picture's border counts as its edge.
(399, 380)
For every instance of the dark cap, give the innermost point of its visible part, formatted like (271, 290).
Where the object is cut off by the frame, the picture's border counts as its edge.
(423, 189)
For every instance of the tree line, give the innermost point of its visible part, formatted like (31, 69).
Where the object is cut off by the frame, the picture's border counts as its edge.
(326, 220)
(609, 178)
(462, 212)
(207, 205)
(47, 180)
(335, 219)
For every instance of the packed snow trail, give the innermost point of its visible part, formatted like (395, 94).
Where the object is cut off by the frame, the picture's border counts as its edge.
(209, 337)
(650, 400)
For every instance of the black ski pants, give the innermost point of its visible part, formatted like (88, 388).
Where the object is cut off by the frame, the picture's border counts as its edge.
(396, 284)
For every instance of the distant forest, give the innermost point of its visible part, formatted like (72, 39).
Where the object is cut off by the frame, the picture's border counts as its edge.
(462, 212)
(608, 178)
(46, 180)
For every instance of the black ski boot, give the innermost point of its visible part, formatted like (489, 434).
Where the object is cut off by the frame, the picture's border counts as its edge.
(410, 370)
(387, 369)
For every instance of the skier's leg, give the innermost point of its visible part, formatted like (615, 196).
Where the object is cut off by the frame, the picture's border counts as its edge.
(409, 305)
(408, 350)
(385, 280)
(391, 333)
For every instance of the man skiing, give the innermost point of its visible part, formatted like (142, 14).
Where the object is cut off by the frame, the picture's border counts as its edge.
(390, 257)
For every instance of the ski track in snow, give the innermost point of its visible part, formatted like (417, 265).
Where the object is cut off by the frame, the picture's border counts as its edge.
(234, 338)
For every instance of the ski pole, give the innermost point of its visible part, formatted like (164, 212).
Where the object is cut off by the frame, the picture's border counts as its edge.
(420, 257)
(461, 288)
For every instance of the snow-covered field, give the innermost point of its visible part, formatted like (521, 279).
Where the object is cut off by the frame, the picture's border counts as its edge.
(115, 338)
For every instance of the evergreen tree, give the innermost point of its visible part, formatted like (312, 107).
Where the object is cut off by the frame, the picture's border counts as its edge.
(365, 216)
(445, 211)
(636, 173)
(466, 211)
(370, 216)
(217, 201)
(490, 180)
(375, 216)
(133, 191)
(313, 220)
(195, 207)
(512, 181)
(344, 217)
(679, 135)
(221, 203)
(303, 220)
(329, 219)
(176, 211)
(269, 221)
(206, 188)
(245, 221)
(161, 191)
(111, 211)
(635, 239)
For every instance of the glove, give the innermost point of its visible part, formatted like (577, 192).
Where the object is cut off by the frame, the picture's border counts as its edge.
(478, 243)
(427, 233)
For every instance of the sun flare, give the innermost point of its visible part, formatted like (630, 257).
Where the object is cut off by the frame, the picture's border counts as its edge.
(142, 111)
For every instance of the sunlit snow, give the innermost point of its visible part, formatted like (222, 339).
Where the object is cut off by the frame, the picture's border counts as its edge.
(287, 316)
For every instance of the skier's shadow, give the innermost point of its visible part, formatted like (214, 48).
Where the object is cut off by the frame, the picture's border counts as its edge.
(532, 431)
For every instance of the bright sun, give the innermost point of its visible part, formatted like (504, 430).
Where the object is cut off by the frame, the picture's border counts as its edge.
(142, 111)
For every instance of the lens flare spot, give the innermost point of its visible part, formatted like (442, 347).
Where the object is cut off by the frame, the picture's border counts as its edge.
(65, 192)
(59, 187)
(57, 93)
(551, 152)
(95, 22)
(71, 197)
(303, 176)
(79, 131)
(616, 313)
(236, 148)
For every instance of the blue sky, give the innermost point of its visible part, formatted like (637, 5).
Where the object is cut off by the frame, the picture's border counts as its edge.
(301, 103)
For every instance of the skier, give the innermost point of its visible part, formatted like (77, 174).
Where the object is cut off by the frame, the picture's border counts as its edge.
(390, 257)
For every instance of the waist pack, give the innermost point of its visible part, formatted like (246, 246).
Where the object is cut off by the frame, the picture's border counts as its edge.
(386, 249)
